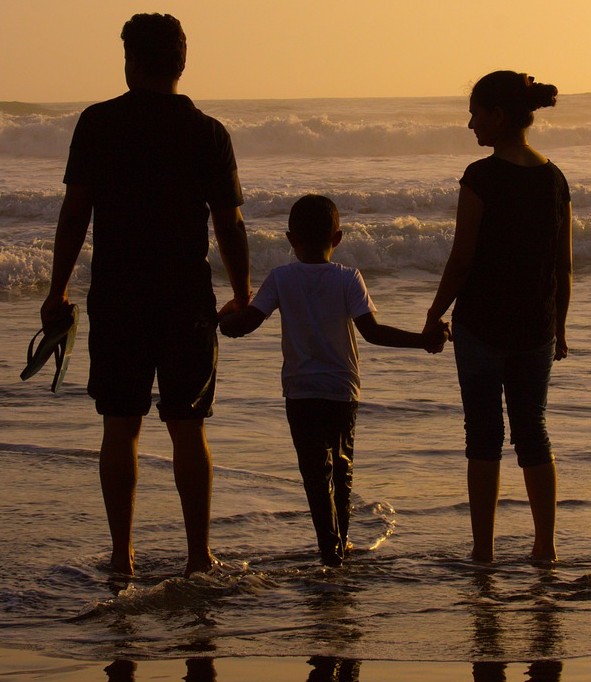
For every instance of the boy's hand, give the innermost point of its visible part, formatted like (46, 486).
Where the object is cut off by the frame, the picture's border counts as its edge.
(241, 322)
(228, 325)
(228, 308)
(436, 335)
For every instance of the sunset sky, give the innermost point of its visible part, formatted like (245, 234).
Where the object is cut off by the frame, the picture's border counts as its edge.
(70, 50)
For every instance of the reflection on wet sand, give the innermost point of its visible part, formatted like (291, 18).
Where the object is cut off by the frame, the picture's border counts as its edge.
(488, 633)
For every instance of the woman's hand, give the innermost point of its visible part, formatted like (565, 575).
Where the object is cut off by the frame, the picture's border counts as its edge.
(561, 350)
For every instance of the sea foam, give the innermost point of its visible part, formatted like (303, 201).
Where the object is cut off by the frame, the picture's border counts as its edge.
(45, 133)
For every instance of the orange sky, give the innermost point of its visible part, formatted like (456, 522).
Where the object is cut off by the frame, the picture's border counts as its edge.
(70, 50)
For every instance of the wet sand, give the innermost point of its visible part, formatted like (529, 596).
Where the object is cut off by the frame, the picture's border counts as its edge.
(27, 666)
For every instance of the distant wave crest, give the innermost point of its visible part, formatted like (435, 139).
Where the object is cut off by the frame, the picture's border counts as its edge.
(36, 133)
(381, 245)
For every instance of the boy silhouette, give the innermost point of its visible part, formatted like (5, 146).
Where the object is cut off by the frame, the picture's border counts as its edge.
(319, 301)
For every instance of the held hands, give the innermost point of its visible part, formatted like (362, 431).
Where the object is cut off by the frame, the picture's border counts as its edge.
(227, 314)
(228, 325)
(237, 318)
(435, 335)
(234, 306)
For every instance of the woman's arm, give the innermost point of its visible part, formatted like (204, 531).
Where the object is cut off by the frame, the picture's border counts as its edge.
(469, 215)
(564, 280)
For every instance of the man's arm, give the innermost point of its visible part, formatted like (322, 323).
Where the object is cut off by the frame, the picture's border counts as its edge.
(230, 233)
(71, 231)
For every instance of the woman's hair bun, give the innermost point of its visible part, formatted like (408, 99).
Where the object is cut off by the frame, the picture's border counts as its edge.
(539, 94)
(515, 93)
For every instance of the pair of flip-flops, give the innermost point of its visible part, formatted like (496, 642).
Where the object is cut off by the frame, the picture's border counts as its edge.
(58, 340)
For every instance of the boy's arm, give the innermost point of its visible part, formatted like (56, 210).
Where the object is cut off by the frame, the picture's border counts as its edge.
(241, 323)
(383, 335)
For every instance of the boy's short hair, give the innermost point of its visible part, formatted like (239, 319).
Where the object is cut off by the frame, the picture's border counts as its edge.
(314, 219)
(157, 42)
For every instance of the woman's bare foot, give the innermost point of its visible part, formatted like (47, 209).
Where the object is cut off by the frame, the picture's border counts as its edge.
(544, 555)
(201, 566)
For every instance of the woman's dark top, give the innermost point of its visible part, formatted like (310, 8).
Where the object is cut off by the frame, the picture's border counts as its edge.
(508, 299)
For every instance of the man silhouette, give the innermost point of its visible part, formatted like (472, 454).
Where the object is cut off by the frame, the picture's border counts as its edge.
(151, 168)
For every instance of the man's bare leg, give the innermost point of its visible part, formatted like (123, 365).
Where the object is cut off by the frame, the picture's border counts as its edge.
(540, 482)
(119, 473)
(193, 474)
(483, 493)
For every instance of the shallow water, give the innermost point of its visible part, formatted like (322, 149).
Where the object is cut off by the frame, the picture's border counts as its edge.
(408, 591)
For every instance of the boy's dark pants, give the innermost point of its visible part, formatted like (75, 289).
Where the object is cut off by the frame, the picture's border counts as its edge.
(323, 433)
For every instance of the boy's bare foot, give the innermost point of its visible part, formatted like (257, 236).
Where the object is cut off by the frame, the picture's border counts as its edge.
(332, 559)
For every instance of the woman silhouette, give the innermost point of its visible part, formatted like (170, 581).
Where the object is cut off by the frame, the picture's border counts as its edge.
(510, 275)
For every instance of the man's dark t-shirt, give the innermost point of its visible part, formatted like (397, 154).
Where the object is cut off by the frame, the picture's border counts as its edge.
(155, 165)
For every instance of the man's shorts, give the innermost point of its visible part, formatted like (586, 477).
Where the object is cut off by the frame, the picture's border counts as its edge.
(126, 355)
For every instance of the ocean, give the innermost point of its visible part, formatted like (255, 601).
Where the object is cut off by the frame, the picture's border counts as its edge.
(409, 591)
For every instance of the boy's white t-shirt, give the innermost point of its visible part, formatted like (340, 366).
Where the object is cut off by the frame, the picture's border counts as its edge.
(318, 303)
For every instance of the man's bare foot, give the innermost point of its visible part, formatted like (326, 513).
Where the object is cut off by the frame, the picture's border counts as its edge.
(202, 566)
(123, 564)
(482, 557)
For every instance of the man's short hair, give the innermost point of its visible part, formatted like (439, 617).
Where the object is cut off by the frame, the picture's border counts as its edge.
(157, 43)
(314, 219)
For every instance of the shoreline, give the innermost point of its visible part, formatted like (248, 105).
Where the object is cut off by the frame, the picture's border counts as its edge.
(27, 666)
